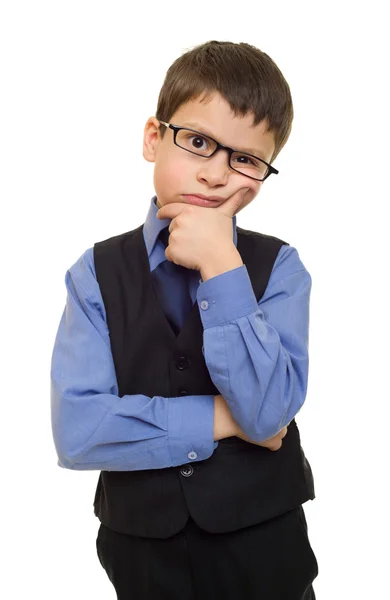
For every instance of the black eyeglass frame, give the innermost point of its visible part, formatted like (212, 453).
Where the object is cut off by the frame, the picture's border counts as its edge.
(177, 128)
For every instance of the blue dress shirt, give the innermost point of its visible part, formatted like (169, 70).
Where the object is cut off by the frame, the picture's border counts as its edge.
(256, 354)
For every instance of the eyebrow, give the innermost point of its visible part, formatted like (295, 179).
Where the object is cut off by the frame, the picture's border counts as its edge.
(204, 130)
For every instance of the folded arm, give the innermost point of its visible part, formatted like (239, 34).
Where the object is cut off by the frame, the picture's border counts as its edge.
(95, 429)
(257, 352)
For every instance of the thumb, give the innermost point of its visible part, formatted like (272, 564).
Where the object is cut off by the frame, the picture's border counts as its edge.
(230, 207)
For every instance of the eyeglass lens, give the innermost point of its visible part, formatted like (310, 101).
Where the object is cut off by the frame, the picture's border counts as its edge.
(205, 146)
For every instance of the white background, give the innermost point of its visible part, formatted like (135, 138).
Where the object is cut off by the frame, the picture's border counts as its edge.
(78, 81)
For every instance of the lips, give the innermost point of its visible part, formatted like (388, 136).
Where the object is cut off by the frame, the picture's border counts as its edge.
(216, 198)
(202, 200)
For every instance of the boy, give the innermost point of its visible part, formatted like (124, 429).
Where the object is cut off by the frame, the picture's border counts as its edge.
(181, 358)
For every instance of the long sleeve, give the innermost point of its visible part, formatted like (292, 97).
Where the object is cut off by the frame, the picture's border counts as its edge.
(95, 429)
(257, 353)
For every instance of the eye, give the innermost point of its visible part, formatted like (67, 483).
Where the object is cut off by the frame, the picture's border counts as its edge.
(198, 142)
(243, 159)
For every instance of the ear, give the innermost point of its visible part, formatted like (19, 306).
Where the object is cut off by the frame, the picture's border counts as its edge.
(151, 139)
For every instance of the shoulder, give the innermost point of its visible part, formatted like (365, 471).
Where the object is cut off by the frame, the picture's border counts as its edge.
(81, 281)
(83, 270)
(288, 260)
(258, 236)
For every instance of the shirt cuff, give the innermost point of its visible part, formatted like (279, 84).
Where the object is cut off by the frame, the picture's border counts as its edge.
(190, 428)
(226, 297)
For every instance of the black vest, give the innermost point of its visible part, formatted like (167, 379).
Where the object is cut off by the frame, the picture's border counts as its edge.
(241, 484)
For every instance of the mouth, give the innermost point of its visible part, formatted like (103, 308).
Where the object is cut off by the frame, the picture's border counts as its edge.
(203, 200)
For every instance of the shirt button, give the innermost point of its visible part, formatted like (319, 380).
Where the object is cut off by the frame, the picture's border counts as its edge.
(192, 455)
(204, 305)
(187, 471)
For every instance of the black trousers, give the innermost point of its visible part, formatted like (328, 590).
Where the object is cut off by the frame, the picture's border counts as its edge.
(269, 561)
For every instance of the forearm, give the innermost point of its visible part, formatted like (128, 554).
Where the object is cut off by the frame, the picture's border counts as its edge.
(224, 424)
(257, 359)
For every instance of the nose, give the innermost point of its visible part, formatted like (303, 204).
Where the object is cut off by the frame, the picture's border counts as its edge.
(215, 170)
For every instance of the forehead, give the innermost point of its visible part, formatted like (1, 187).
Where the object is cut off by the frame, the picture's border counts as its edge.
(215, 118)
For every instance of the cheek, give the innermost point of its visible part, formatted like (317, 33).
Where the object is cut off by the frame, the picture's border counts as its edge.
(172, 174)
(240, 182)
(250, 195)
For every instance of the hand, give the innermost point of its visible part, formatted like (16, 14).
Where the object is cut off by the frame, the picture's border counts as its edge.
(274, 443)
(200, 235)
(226, 426)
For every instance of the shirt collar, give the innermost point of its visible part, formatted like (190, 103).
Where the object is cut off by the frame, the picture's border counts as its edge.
(153, 226)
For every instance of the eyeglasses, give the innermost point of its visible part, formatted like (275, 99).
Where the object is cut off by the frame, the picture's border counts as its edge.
(203, 145)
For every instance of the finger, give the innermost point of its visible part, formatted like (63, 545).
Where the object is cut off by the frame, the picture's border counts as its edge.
(277, 446)
(170, 211)
(231, 205)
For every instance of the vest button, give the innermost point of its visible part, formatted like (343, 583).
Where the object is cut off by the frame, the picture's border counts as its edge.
(182, 363)
(187, 471)
(184, 393)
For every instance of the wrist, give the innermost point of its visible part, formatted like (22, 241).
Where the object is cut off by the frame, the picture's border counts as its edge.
(229, 260)
(224, 424)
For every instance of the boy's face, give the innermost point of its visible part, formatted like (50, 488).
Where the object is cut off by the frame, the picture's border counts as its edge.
(178, 173)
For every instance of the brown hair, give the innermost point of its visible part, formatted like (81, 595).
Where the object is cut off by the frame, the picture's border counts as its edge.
(246, 77)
